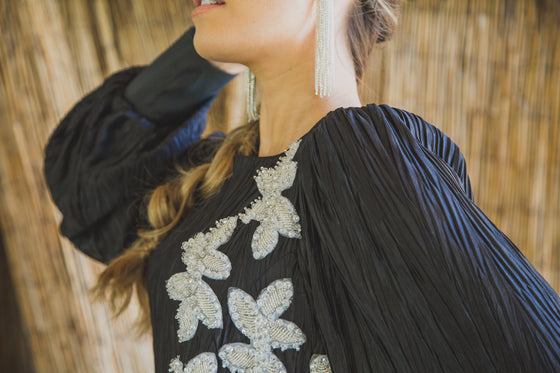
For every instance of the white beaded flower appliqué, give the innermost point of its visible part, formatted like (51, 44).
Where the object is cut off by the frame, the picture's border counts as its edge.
(205, 362)
(275, 212)
(198, 300)
(259, 321)
(319, 364)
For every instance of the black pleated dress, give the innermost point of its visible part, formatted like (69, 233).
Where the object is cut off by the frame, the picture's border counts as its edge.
(357, 249)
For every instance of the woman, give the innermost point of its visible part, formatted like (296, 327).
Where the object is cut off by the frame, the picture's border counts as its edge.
(324, 236)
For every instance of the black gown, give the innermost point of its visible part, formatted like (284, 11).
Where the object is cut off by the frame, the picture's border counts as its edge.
(357, 249)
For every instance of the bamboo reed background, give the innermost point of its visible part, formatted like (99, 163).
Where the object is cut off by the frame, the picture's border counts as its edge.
(486, 72)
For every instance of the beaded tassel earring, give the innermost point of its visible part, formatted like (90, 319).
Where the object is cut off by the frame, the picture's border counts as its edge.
(251, 92)
(324, 49)
(324, 59)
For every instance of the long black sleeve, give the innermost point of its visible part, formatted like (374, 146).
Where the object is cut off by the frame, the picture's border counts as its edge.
(111, 148)
(406, 273)
(173, 86)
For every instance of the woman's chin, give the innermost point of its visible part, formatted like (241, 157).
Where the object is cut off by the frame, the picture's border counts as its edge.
(204, 47)
(212, 50)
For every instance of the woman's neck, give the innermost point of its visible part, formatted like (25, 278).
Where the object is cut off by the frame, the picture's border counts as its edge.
(290, 108)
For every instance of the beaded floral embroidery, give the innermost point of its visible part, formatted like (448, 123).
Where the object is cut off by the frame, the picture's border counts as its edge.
(202, 363)
(198, 301)
(277, 216)
(275, 212)
(259, 321)
(319, 364)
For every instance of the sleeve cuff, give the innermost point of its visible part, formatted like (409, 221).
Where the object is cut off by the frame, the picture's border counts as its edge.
(176, 83)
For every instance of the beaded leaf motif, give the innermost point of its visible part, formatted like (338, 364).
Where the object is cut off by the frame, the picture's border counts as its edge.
(205, 362)
(259, 321)
(198, 300)
(275, 212)
(319, 364)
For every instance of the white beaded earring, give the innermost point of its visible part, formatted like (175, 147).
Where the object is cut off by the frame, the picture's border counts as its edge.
(324, 59)
(251, 92)
(324, 49)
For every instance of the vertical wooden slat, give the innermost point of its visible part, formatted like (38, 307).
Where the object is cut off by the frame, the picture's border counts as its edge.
(15, 354)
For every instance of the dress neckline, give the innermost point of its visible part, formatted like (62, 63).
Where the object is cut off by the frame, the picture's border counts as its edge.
(268, 160)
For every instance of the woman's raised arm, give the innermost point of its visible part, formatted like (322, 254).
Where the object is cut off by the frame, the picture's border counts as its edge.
(122, 138)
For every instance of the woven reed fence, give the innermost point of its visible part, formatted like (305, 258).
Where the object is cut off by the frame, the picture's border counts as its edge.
(485, 72)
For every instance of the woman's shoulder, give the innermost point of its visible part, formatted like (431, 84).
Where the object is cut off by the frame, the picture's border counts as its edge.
(396, 136)
(383, 121)
(390, 123)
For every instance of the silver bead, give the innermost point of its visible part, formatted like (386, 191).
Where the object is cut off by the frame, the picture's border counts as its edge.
(319, 364)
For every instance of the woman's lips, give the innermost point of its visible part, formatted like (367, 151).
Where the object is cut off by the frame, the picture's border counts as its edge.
(197, 3)
(204, 8)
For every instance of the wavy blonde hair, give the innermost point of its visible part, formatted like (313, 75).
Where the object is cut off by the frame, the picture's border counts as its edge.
(371, 22)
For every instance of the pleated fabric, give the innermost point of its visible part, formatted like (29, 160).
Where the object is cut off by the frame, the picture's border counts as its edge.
(396, 269)
(103, 157)
(405, 272)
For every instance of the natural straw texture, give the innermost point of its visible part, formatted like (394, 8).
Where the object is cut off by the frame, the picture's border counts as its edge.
(485, 72)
